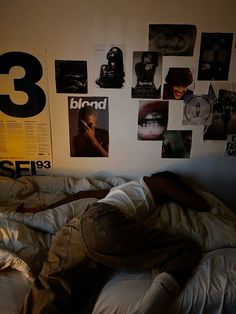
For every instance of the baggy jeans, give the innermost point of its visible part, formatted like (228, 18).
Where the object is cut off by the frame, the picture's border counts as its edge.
(102, 237)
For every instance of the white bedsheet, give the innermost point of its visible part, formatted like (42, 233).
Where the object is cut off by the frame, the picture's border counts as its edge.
(26, 238)
(212, 288)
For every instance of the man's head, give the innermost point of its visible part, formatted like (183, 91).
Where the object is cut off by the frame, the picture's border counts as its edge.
(179, 79)
(89, 116)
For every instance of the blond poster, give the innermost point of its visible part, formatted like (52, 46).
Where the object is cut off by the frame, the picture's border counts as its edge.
(88, 126)
(25, 147)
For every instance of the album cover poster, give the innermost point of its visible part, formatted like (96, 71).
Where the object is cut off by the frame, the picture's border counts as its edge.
(230, 149)
(88, 126)
(223, 118)
(177, 144)
(109, 66)
(172, 39)
(215, 55)
(71, 76)
(178, 83)
(147, 72)
(198, 110)
(152, 119)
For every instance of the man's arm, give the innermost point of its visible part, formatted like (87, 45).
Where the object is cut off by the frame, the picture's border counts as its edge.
(99, 194)
(166, 188)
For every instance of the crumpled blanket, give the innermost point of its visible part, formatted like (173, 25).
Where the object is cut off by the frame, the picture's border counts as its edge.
(25, 238)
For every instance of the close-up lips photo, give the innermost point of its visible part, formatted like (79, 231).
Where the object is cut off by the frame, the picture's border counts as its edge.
(152, 119)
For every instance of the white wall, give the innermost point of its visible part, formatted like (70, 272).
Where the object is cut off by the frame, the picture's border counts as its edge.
(70, 29)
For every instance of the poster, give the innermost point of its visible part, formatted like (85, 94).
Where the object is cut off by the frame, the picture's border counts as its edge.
(215, 55)
(230, 149)
(147, 72)
(177, 144)
(25, 147)
(88, 126)
(109, 66)
(152, 119)
(223, 117)
(198, 110)
(71, 76)
(172, 39)
(178, 83)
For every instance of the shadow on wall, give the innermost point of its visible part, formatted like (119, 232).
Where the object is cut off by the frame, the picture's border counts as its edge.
(219, 179)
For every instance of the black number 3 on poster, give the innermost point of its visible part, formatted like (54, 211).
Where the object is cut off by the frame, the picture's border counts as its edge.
(33, 73)
(24, 112)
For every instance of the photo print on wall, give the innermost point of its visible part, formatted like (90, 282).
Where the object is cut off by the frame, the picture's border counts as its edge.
(177, 144)
(223, 118)
(88, 126)
(109, 66)
(230, 149)
(198, 110)
(147, 71)
(172, 39)
(215, 55)
(152, 119)
(71, 77)
(179, 83)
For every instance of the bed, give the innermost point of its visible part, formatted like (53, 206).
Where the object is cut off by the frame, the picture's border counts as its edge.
(26, 238)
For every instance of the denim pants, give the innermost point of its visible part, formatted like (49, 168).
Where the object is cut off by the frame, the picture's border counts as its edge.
(100, 239)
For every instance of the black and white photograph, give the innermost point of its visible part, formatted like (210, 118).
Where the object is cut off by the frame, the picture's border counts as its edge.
(230, 149)
(109, 66)
(88, 126)
(152, 119)
(71, 77)
(215, 55)
(172, 39)
(177, 144)
(223, 118)
(147, 72)
(198, 110)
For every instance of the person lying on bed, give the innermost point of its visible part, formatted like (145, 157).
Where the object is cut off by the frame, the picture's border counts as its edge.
(110, 234)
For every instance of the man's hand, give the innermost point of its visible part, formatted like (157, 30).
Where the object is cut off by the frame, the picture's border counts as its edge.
(88, 131)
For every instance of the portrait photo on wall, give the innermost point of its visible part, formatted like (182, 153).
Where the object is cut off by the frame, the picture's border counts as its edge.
(177, 144)
(230, 148)
(152, 119)
(88, 126)
(215, 55)
(198, 110)
(223, 118)
(172, 39)
(147, 70)
(109, 66)
(71, 77)
(178, 83)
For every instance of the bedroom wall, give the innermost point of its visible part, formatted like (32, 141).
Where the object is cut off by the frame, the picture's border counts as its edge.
(70, 29)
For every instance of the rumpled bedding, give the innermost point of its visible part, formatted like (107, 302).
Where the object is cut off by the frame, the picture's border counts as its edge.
(25, 238)
(212, 230)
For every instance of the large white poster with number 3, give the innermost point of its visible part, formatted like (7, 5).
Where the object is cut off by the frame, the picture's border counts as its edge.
(25, 146)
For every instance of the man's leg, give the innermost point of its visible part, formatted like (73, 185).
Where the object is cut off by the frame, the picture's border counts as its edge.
(112, 239)
(120, 243)
(67, 275)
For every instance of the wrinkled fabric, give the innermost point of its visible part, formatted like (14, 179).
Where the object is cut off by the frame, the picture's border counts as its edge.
(102, 235)
(133, 198)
